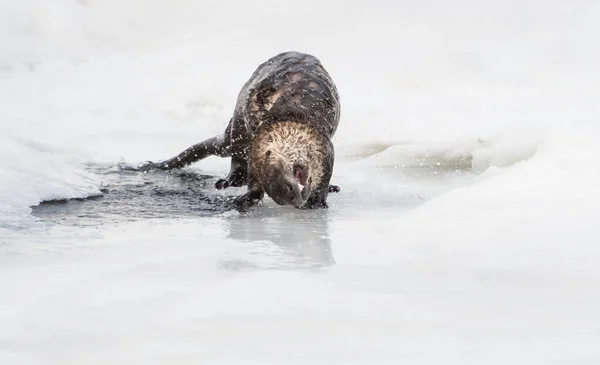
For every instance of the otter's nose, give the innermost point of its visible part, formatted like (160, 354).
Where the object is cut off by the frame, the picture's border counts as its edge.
(298, 201)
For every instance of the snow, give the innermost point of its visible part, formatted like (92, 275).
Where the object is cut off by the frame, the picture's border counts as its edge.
(464, 232)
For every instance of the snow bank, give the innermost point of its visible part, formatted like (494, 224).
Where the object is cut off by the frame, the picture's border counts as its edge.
(530, 212)
(31, 174)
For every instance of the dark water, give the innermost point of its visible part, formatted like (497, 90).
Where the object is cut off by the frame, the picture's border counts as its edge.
(131, 195)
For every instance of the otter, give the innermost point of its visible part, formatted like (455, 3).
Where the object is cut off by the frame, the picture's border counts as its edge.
(279, 137)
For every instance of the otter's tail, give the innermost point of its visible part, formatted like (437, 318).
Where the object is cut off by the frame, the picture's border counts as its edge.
(213, 146)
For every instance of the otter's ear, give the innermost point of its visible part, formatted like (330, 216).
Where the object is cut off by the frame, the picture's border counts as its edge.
(268, 154)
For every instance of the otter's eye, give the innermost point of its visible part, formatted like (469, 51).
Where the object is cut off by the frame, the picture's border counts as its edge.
(289, 188)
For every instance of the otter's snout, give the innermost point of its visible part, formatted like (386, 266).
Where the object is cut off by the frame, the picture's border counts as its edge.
(288, 187)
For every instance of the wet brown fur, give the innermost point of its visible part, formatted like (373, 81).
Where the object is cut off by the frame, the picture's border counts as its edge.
(290, 108)
(292, 143)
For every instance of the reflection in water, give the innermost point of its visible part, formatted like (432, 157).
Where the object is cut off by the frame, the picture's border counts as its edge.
(301, 238)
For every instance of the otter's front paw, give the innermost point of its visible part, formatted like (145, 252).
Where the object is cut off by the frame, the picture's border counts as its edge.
(334, 189)
(315, 204)
(248, 200)
(221, 184)
(236, 179)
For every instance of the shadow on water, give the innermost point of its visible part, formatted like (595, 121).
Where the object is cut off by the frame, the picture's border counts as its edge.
(131, 196)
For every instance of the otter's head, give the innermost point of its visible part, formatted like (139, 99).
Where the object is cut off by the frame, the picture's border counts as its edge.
(287, 158)
(287, 182)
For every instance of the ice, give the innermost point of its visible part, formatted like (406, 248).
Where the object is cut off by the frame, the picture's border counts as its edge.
(467, 156)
